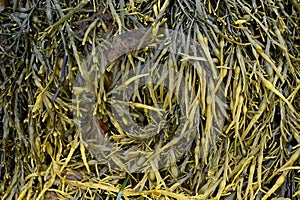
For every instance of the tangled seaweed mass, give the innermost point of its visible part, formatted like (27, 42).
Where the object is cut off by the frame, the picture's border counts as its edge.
(150, 99)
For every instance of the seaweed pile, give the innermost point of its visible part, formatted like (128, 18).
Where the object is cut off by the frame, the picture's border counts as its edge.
(229, 95)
